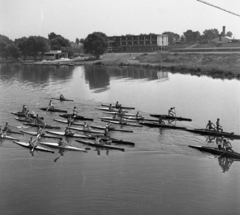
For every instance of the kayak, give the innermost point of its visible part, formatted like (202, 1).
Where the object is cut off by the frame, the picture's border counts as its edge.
(55, 145)
(128, 117)
(124, 114)
(8, 137)
(87, 130)
(103, 138)
(162, 125)
(91, 143)
(77, 117)
(42, 125)
(216, 151)
(62, 100)
(61, 133)
(34, 133)
(21, 114)
(110, 128)
(109, 110)
(125, 124)
(39, 148)
(124, 107)
(166, 117)
(53, 109)
(25, 120)
(214, 133)
(116, 119)
(66, 122)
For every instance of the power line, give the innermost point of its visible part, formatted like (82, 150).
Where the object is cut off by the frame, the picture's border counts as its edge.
(219, 8)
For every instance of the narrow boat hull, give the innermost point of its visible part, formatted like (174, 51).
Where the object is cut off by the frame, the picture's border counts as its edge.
(86, 130)
(124, 107)
(89, 143)
(157, 125)
(166, 117)
(216, 151)
(34, 133)
(42, 126)
(126, 124)
(38, 148)
(62, 100)
(8, 137)
(70, 148)
(60, 133)
(53, 110)
(77, 117)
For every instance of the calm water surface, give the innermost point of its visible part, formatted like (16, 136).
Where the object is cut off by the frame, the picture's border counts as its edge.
(160, 175)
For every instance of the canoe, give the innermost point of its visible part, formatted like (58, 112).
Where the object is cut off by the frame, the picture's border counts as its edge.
(162, 125)
(216, 151)
(8, 137)
(109, 110)
(91, 143)
(66, 122)
(214, 133)
(124, 107)
(62, 133)
(42, 125)
(86, 130)
(21, 114)
(125, 124)
(53, 109)
(62, 100)
(55, 145)
(166, 117)
(39, 148)
(78, 117)
(34, 133)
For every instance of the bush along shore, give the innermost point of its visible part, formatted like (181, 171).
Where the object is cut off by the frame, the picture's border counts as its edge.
(216, 65)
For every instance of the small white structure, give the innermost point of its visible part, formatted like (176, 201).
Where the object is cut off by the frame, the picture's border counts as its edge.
(53, 55)
(162, 40)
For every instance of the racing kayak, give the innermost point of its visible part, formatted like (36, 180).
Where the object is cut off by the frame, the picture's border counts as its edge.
(21, 114)
(162, 125)
(124, 124)
(53, 109)
(25, 120)
(87, 130)
(115, 119)
(66, 122)
(42, 125)
(216, 151)
(214, 133)
(124, 107)
(110, 110)
(55, 145)
(61, 133)
(62, 100)
(77, 117)
(110, 128)
(123, 114)
(166, 117)
(39, 148)
(34, 133)
(92, 143)
(7, 137)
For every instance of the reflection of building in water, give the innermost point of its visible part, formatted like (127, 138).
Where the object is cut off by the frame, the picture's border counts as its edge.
(162, 75)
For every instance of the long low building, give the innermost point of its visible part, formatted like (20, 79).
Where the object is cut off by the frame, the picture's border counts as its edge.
(138, 43)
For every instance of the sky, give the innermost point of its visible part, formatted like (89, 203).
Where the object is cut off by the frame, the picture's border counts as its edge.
(77, 18)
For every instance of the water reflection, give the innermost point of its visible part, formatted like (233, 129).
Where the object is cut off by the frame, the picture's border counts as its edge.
(225, 163)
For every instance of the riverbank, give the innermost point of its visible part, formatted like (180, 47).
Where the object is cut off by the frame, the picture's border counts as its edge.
(217, 65)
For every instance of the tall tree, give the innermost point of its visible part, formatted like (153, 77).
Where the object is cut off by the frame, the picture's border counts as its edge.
(191, 36)
(22, 44)
(77, 41)
(229, 34)
(96, 44)
(210, 34)
(12, 51)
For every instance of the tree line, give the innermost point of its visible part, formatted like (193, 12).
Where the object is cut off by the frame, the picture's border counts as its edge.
(195, 36)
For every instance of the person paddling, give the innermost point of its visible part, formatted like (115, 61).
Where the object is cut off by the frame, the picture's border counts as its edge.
(70, 120)
(50, 105)
(62, 98)
(99, 141)
(24, 109)
(210, 126)
(86, 126)
(227, 145)
(171, 111)
(161, 120)
(61, 142)
(68, 132)
(74, 114)
(117, 105)
(218, 126)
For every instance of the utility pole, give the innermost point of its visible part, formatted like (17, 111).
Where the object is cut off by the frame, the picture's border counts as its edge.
(219, 8)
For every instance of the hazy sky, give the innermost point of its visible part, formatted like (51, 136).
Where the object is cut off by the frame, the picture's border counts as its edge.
(77, 18)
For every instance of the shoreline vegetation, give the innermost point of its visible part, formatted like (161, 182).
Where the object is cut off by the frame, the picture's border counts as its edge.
(216, 64)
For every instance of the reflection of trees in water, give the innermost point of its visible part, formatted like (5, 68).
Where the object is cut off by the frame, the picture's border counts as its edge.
(98, 77)
(36, 73)
(137, 73)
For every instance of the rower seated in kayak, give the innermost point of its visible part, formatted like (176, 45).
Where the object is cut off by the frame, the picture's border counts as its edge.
(61, 142)
(68, 132)
(62, 98)
(218, 126)
(6, 127)
(110, 107)
(227, 145)
(24, 109)
(171, 112)
(98, 141)
(123, 121)
(74, 114)
(210, 126)
(160, 121)
(86, 127)
(70, 120)
(117, 105)
(50, 105)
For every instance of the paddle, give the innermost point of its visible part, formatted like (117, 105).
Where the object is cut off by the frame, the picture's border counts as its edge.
(38, 137)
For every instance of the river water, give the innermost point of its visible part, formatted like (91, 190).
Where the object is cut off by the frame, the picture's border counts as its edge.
(159, 175)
